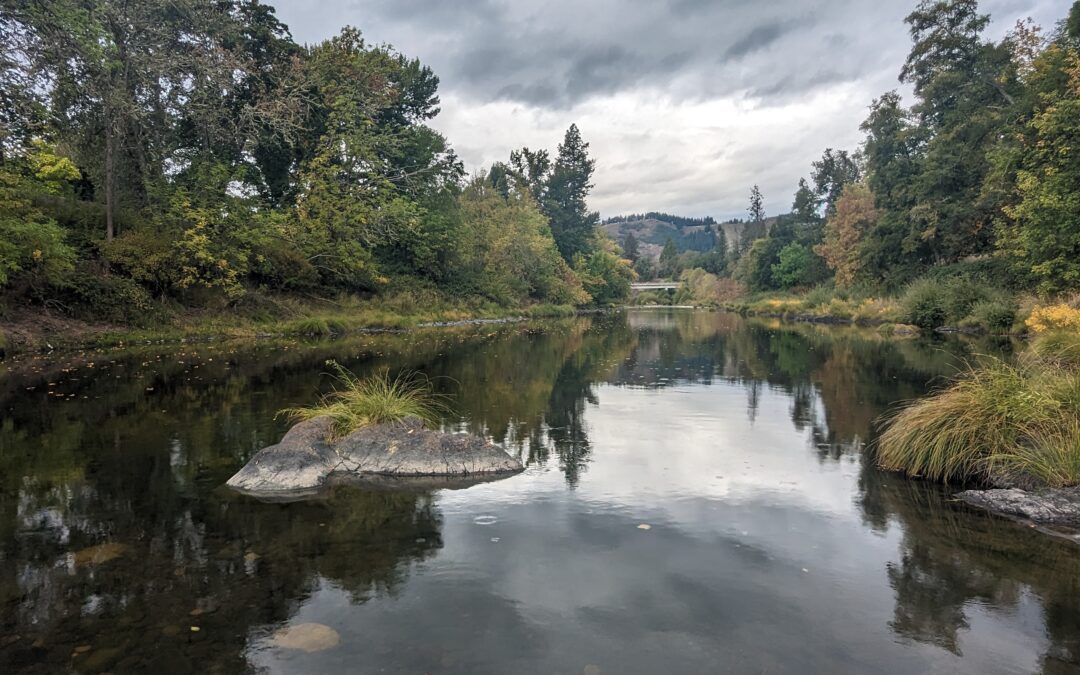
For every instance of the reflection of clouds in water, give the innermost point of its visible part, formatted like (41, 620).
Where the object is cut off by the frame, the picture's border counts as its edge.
(697, 441)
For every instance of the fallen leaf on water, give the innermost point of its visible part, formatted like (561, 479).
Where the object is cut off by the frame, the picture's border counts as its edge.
(102, 553)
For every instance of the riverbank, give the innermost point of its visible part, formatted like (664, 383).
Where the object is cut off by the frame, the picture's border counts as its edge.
(959, 306)
(35, 329)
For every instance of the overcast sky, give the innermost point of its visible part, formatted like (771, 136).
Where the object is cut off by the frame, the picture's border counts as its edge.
(686, 103)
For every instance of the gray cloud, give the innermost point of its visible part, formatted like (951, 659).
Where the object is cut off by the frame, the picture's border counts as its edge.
(517, 72)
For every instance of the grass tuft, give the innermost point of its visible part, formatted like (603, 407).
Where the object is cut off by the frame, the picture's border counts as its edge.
(998, 420)
(358, 402)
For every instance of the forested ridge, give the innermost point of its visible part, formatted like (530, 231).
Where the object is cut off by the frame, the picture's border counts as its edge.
(169, 154)
(963, 203)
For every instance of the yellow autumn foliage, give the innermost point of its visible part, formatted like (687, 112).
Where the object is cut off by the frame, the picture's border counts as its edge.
(1054, 317)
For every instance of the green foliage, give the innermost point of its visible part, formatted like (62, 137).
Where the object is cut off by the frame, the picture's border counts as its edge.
(605, 276)
(209, 156)
(960, 301)
(995, 316)
(1041, 233)
(924, 304)
(355, 403)
(506, 251)
(148, 257)
(108, 298)
(572, 223)
(795, 266)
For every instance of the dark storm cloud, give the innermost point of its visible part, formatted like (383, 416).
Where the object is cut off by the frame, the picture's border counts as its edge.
(560, 53)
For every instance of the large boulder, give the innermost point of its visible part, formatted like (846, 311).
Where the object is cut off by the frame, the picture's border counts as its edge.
(307, 458)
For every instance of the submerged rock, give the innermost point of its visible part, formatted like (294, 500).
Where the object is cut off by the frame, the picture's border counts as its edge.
(1058, 508)
(382, 455)
(308, 637)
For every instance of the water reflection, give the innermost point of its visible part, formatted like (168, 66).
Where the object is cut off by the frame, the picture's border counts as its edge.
(772, 544)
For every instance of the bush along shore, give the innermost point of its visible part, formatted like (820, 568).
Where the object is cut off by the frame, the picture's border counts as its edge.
(964, 305)
(1011, 429)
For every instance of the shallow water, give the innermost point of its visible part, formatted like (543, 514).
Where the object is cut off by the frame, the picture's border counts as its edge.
(697, 499)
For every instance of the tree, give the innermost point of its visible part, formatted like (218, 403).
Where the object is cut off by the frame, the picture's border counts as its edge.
(669, 258)
(844, 231)
(1042, 237)
(757, 209)
(630, 248)
(831, 173)
(965, 90)
(806, 203)
(505, 251)
(569, 184)
(893, 253)
(793, 267)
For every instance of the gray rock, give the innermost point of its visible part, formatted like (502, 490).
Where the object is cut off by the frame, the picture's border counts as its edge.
(1043, 507)
(386, 455)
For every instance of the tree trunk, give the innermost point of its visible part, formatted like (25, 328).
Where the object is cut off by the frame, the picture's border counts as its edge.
(110, 228)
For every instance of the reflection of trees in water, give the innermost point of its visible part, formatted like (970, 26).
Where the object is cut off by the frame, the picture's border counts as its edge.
(224, 564)
(953, 560)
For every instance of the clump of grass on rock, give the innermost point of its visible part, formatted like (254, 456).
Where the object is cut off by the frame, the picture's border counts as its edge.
(355, 403)
(999, 423)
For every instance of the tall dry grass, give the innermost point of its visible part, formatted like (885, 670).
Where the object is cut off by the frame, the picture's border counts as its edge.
(997, 422)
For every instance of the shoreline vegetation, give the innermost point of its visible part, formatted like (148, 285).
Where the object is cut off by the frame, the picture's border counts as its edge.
(34, 333)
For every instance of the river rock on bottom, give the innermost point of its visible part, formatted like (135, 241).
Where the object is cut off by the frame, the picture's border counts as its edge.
(1045, 507)
(305, 458)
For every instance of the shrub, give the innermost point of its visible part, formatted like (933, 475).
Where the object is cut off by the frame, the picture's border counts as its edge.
(992, 315)
(961, 295)
(146, 256)
(109, 298)
(1056, 317)
(923, 304)
(931, 303)
(355, 403)
(818, 296)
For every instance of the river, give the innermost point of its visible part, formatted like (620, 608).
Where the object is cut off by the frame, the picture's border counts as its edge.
(698, 498)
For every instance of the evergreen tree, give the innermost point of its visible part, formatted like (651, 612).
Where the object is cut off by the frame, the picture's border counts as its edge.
(831, 173)
(757, 208)
(630, 248)
(669, 258)
(569, 184)
(806, 204)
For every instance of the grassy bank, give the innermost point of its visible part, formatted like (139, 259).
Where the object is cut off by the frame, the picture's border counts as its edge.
(264, 316)
(1000, 423)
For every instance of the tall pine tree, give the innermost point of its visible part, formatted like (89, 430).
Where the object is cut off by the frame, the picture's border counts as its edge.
(572, 223)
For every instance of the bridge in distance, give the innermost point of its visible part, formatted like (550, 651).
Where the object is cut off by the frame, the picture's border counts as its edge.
(655, 286)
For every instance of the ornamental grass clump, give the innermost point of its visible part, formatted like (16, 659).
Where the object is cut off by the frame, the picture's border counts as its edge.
(997, 423)
(357, 402)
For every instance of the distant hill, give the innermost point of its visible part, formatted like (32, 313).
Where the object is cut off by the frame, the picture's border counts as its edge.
(652, 230)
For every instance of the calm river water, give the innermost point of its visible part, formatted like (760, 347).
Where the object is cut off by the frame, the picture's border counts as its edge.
(698, 499)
